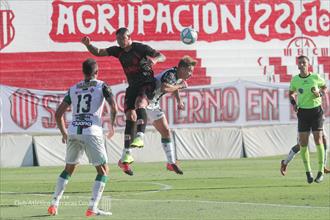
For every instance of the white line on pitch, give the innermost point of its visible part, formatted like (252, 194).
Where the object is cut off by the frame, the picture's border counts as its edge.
(223, 202)
(192, 201)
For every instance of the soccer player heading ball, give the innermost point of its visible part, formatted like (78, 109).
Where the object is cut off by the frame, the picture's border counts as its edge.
(137, 60)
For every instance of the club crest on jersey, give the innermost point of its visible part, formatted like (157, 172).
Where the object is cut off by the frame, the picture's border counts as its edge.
(301, 90)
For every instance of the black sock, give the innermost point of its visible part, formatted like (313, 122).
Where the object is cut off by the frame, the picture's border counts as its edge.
(296, 148)
(129, 133)
(141, 114)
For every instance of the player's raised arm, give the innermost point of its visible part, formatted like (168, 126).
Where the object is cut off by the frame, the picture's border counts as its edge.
(92, 49)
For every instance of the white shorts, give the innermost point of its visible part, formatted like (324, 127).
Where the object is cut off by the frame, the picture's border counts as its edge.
(93, 146)
(154, 114)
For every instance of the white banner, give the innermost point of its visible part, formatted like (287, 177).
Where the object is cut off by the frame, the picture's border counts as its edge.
(240, 103)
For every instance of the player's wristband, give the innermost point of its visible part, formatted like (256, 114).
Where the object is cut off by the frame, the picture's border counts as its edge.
(293, 102)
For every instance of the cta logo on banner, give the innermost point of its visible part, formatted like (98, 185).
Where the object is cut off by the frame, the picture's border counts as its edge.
(320, 60)
(24, 108)
(7, 30)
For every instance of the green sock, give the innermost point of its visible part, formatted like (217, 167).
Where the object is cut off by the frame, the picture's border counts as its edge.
(320, 156)
(304, 153)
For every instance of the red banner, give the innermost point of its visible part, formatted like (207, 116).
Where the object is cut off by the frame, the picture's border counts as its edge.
(214, 20)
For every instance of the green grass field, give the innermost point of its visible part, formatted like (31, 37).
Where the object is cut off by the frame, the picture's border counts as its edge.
(223, 189)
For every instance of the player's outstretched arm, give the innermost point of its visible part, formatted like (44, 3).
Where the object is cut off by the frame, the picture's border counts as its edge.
(92, 49)
(178, 98)
(166, 87)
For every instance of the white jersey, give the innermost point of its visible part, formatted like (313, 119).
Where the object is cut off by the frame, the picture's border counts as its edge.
(87, 100)
(168, 76)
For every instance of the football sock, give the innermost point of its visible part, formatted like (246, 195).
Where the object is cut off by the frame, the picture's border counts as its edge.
(98, 189)
(125, 151)
(141, 121)
(320, 157)
(294, 150)
(62, 180)
(169, 150)
(304, 153)
(129, 133)
(325, 151)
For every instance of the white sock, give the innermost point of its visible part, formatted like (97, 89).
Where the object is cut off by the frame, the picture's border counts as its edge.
(98, 189)
(140, 134)
(59, 190)
(125, 151)
(291, 155)
(169, 150)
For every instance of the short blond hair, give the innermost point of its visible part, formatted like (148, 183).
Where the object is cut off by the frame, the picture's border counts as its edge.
(187, 61)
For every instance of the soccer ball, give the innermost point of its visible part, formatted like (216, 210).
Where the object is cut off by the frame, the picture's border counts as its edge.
(188, 35)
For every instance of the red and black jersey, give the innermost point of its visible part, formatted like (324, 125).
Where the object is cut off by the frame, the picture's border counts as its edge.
(134, 62)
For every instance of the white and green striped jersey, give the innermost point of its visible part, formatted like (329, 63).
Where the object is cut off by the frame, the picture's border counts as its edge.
(167, 76)
(87, 100)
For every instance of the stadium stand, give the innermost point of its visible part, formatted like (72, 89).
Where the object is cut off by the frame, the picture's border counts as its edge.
(59, 70)
(225, 65)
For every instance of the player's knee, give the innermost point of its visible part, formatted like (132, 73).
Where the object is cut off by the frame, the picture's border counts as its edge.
(131, 115)
(141, 102)
(69, 168)
(102, 169)
(166, 133)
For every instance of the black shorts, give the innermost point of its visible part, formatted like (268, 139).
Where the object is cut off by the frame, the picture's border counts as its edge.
(310, 119)
(132, 92)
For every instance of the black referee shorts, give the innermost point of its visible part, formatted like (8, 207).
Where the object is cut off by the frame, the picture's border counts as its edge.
(310, 119)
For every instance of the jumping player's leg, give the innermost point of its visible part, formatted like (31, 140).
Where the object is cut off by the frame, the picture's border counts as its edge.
(141, 102)
(162, 127)
(284, 163)
(325, 144)
(129, 134)
(126, 157)
(296, 148)
(141, 120)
